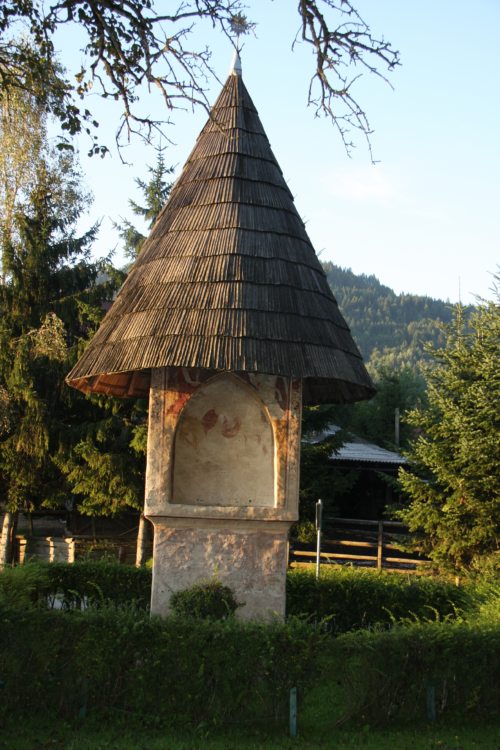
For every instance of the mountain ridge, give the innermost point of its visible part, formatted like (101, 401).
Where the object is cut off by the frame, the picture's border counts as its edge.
(391, 330)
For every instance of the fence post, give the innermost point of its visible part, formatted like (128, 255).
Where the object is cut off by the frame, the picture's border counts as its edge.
(380, 544)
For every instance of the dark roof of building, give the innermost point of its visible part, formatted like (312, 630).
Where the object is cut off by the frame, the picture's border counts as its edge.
(228, 279)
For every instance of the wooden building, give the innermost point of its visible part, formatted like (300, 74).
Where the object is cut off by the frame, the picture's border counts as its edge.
(227, 321)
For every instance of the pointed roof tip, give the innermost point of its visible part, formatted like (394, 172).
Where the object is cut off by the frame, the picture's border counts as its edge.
(235, 68)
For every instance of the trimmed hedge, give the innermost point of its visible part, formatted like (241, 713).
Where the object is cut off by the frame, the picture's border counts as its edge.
(71, 586)
(347, 598)
(181, 671)
(352, 598)
(391, 675)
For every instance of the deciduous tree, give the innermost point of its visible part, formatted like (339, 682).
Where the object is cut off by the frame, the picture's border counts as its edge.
(132, 44)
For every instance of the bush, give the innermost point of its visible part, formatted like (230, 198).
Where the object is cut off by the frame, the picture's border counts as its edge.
(182, 671)
(73, 586)
(350, 598)
(209, 600)
(24, 585)
(391, 675)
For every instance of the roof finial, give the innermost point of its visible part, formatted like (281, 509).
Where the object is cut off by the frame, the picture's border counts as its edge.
(239, 25)
(236, 64)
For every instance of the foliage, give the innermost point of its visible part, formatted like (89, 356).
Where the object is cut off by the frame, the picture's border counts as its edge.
(207, 600)
(386, 676)
(155, 194)
(131, 44)
(374, 420)
(106, 467)
(22, 137)
(83, 583)
(318, 445)
(390, 329)
(107, 660)
(103, 468)
(453, 487)
(349, 599)
(23, 586)
(346, 598)
(49, 293)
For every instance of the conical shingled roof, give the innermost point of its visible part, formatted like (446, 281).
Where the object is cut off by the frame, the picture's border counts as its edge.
(227, 279)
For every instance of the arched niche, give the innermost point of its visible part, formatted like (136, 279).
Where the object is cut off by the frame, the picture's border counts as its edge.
(224, 448)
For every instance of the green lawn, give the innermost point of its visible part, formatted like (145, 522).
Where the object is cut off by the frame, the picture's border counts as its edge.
(92, 735)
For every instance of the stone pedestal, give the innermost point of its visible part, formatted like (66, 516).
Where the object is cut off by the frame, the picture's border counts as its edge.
(222, 483)
(250, 557)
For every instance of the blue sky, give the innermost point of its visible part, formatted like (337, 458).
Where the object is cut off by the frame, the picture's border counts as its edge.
(426, 218)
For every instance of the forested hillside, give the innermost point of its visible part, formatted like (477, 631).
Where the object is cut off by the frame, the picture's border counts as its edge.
(390, 329)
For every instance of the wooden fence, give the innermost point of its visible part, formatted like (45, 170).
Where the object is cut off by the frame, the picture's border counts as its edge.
(373, 544)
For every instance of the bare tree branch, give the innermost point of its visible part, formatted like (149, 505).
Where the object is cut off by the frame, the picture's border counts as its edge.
(133, 43)
(339, 49)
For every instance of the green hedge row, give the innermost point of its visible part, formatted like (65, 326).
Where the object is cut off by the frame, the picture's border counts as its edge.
(347, 598)
(71, 586)
(178, 670)
(352, 598)
(197, 672)
(411, 671)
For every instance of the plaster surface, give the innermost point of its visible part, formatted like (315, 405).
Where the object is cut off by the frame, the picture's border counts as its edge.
(251, 561)
(223, 448)
(222, 483)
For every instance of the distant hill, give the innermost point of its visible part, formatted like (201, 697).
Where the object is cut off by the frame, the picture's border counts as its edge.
(390, 329)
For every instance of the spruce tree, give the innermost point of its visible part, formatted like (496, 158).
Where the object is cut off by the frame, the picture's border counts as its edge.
(453, 486)
(106, 467)
(49, 286)
(155, 193)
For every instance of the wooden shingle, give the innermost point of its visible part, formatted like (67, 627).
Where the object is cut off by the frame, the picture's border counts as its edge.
(227, 279)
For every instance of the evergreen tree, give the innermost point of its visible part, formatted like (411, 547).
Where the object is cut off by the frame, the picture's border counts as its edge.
(106, 466)
(453, 487)
(48, 288)
(316, 468)
(155, 192)
(375, 420)
(391, 330)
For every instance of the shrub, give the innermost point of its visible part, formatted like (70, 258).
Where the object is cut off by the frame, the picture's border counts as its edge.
(23, 585)
(178, 670)
(72, 586)
(209, 600)
(390, 675)
(95, 582)
(350, 598)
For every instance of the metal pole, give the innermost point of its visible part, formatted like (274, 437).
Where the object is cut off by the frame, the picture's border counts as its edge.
(319, 521)
(396, 425)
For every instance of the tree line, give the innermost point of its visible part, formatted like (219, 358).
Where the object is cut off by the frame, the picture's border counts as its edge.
(58, 446)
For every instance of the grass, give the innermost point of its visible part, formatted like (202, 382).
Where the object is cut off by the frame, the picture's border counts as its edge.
(94, 735)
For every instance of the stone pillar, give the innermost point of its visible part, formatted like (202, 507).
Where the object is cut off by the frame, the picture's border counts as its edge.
(222, 483)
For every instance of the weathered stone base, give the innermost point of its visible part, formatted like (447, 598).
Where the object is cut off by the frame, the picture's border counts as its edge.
(250, 557)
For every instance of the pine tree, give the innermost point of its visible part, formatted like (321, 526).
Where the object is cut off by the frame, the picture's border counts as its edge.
(453, 487)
